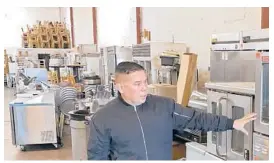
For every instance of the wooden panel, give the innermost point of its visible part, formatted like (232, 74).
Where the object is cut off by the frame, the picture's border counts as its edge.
(185, 79)
(265, 17)
(178, 151)
(72, 27)
(94, 18)
(138, 25)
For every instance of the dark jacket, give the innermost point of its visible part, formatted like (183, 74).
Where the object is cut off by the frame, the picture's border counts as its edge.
(120, 131)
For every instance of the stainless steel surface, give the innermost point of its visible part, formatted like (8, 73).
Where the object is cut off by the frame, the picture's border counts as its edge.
(102, 67)
(146, 63)
(255, 39)
(110, 57)
(196, 151)
(33, 120)
(148, 54)
(218, 107)
(91, 81)
(213, 137)
(79, 139)
(198, 95)
(141, 50)
(226, 99)
(233, 87)
(262, 95)
(237, 142)
(233, 66)
(226, 41)
(200, 104)
(260, 147)
(56, 61)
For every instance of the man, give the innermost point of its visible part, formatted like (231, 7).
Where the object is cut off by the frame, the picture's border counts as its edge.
(138, 126)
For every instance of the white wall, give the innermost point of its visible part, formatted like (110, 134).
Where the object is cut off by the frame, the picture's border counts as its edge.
(114, 25)
(194, 26)
(83, 25)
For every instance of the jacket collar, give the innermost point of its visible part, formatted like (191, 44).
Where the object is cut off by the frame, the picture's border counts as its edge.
(124, 102)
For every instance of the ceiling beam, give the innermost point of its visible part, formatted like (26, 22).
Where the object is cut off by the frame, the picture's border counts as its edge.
(138, 25)
(265, 17)
(94, 22)
(72, 27)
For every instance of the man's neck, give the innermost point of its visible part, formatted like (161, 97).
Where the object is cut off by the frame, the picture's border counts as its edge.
(127, 101)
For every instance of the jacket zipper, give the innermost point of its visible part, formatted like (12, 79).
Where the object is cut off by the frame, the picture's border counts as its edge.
(142, 132)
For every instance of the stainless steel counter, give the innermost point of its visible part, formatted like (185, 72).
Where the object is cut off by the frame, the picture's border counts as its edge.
(233, 87)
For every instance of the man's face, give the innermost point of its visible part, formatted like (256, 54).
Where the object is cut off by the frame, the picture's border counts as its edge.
(133, 86)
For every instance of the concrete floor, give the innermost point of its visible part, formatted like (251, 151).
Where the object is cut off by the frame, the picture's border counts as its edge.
(12, 152)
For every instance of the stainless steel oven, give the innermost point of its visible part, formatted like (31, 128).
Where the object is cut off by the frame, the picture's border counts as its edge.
(233, 100)
(262, 94)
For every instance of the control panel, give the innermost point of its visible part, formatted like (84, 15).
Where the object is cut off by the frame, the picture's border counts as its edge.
(260, 147)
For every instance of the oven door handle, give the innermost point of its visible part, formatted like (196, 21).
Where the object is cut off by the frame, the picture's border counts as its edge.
(217, 137)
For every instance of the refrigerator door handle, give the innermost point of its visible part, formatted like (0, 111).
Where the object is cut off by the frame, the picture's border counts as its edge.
(217, 135)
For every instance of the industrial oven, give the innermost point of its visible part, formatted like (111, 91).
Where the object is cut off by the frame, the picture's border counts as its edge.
(233, 100)
(261, 124)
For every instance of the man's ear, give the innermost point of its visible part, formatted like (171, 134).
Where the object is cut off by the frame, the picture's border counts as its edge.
(118, 86)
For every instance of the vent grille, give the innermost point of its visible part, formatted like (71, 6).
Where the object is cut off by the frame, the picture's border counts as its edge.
(141, 50)
(47, 136)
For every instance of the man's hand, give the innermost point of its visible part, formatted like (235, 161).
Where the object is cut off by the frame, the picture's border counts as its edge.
(240, 123)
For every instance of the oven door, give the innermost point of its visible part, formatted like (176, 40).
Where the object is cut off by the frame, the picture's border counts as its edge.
(239, 145)
(262, 95)
(216, 141)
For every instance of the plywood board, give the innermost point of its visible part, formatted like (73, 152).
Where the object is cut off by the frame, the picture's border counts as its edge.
(188, 62)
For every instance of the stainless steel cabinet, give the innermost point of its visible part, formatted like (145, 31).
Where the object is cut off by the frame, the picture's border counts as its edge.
(196, 151)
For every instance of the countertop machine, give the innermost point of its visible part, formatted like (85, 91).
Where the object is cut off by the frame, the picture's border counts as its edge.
(233, 56)
(169, 71)
(234, 100)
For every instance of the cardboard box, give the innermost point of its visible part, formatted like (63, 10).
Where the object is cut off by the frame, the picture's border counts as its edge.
(165, 90)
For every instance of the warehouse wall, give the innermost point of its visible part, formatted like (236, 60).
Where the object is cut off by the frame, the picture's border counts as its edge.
(83, 25)
(114, 25)
(194, 26)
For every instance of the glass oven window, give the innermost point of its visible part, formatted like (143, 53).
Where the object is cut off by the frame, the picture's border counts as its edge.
(237, 143)
(214, 134)
(265, 94)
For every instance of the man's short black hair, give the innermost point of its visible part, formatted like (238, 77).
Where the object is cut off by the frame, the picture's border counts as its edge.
(128, 67)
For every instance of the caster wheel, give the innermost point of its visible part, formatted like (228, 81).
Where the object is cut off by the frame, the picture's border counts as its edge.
(22, 148)
(60, 145)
